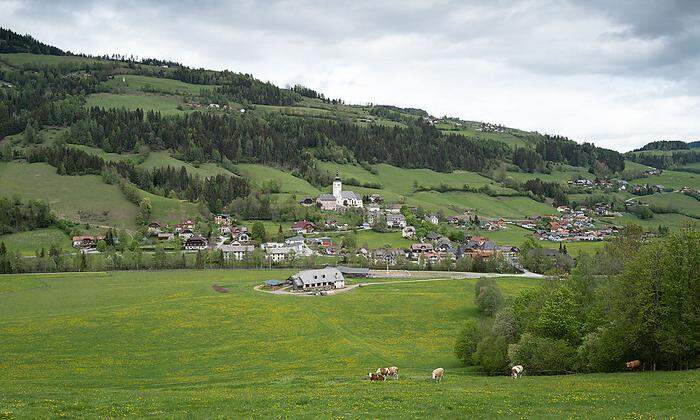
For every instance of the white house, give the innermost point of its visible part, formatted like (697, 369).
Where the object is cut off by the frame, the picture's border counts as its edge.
(395, 220)
(325, 278)
(408, 232)
(279, 253)
(432, 218)
(343, 199)
(236, 252)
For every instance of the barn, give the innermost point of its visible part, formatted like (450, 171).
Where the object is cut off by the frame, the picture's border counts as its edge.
(322, 279)
(353, 271)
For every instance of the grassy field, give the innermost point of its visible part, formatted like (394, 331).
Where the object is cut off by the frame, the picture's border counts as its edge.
(165, 344)
(81, 198)
(289, 183)
(139, 83)
(26, 243)
(171, 211)
(509, 207)
(561, 173)
(110, 157)
(162, 158)
(671, 179)
(676, 201)
(20, 59)
(165, 104)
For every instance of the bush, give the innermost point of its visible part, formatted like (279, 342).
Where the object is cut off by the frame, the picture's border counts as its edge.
(542, 356)
(488, 296)
(505, 325)
(492, 354)
(467, 341)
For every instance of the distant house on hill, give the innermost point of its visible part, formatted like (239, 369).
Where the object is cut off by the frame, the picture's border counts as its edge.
(408, 232)
(236, 252)
(322, 279)
(395, 220)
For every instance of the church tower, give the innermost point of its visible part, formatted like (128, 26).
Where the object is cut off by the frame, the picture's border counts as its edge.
(337, 185)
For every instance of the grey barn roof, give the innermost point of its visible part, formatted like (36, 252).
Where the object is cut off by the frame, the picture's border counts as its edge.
(307, 276)
(353, 270)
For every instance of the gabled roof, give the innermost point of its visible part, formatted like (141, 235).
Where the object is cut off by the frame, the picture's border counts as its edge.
(317, 276)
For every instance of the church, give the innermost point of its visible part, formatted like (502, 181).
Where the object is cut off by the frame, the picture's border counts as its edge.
(339, 199)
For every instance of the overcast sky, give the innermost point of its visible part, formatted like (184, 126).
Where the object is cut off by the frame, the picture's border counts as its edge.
(618, 73)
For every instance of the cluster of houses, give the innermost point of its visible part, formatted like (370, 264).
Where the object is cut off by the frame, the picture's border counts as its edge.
(436, 248)
(185, 231)
(571, 225)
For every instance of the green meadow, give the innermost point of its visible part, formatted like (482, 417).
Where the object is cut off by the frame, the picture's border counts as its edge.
(259, 174)
(27, 242)
(82, 198)
(139, 83)
(160, 159)
(165, 104)
(137, 344)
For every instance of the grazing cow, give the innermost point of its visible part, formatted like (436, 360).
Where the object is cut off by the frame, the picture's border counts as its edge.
(516, 371)
(634, 365)
(389, 372)
(438, 374)
(374, 377)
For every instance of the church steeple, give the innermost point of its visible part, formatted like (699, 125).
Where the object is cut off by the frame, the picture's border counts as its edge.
(337, 186)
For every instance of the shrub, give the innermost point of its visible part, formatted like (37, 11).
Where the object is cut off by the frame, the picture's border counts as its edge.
(506, 325)
(542, 356)
(467, 341)
(492, 354)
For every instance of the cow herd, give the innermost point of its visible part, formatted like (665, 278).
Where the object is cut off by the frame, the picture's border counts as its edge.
(382, 374)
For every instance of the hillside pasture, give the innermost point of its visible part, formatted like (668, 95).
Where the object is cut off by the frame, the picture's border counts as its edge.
(160, 159)
(138, 83)
(288, 182)
(81, 198)
(675, 202)
(671, 179)
(28, 242)
(560, 173)
(165, 104)
(164, 343)
(484, 205)
(21, 59)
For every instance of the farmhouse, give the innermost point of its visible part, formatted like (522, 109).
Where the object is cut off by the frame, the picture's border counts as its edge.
(195, 243)
(322, 279)
(278, 254)
(408, 232)
(343, 199)
(353, 271)
(86, 241)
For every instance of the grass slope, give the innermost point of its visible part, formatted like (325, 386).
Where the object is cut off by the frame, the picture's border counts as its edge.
(163, 343)
(137, 83)
(258, 174)
(165, 104)
(26, 243)
(163, 158)
(671, 179)
(82, 198)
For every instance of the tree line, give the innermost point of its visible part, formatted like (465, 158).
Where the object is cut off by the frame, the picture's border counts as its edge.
(634, 300)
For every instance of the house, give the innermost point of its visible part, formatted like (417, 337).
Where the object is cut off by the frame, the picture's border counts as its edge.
(443, 245)
(395, 220)
(236, 252)
(186, 233)
(279, 254)
(225, 230)
(322, 279)
(307, 202)
(86, 241)
(303, 226)
(166, 236)
(432, 218)
(394, 208)
(408, 232)
(339, 199)
(186, 225)
(295, 241)
(433, 236)
(375, 198)
(195, 243)
(154, 228)
(324, 241)
(269, 245)
(373, 208)
(241, 236)
(222, 219)
(388, 255)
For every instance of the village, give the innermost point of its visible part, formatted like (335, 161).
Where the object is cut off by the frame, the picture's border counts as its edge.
(304, 239)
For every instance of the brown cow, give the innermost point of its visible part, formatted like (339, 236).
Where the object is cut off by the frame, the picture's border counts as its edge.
(389, 372)
(374, 377)
(634, 365)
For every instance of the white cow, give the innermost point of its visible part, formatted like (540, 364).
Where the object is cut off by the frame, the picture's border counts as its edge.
(438, 374)
(516, 371)
(389, 372)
